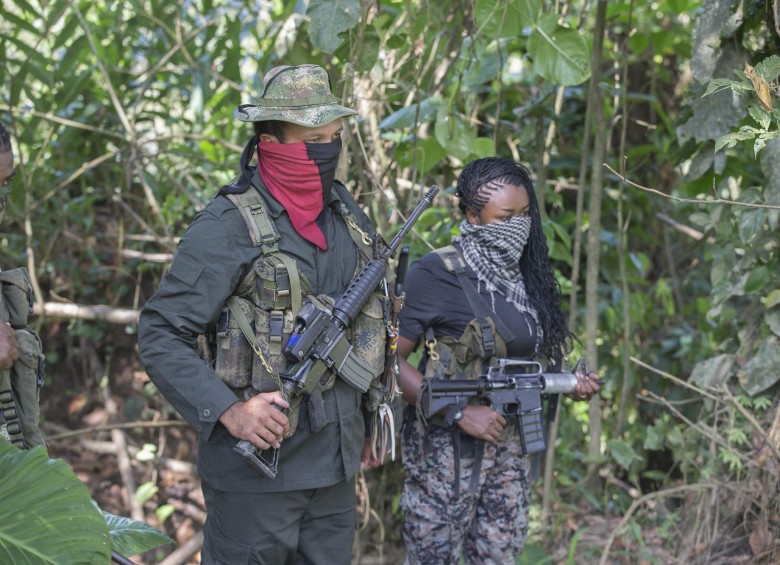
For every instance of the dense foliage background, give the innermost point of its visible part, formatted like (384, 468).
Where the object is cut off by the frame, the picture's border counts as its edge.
(652, 132)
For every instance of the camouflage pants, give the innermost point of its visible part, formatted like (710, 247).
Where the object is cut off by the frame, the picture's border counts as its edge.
(441, 525)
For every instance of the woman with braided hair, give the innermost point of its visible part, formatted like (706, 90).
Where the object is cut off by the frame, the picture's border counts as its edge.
(490, 295)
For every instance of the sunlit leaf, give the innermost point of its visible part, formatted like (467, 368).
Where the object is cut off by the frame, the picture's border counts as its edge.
(329, 18)
(560, 54)
(505, 18)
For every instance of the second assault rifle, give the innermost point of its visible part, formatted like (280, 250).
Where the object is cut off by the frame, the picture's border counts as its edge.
(318, 345)
(512, 388)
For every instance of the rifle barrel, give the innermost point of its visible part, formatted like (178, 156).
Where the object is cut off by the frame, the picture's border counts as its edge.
(426, 201)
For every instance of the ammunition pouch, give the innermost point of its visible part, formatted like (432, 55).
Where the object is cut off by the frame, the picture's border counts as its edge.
(21, 384)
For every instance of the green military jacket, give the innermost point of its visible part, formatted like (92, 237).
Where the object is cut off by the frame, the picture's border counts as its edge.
(214, 256)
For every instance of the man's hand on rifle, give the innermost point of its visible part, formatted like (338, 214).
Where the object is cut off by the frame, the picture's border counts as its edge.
(9, 348)
(587, 386)
(259, 420)
(482, 422)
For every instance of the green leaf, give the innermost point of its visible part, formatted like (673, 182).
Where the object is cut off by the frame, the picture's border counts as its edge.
(713, 372)
(769, 68)
(329, 18)
(762, 117)
(560, 54)
(760, 372)
(145, 492)
(484, 65)
(654, 475)
(130, 537)
(454, 133)
(483, 147)
(654, 441)
(728, 140)
(18, 23)
(751, 224)
(622, 453)
(406, 116)
(717, 85)
(46, 513)
(429, 154)
(772, 319)
(757, 279)
(505, 18)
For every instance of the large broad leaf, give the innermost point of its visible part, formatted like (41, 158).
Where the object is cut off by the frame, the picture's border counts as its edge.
(505, 18)
(560, 54)
(622, 453)
(329, 18)
(713, 372)
(454, 133)
(410, 116)
(46, 513)
(131, 537)
(761, 372)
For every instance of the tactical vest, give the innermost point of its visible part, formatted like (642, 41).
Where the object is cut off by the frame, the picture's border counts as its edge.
(21, 384)
(259, 317)
(484, 338)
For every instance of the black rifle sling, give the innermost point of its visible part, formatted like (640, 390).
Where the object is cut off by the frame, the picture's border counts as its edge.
(454, 262)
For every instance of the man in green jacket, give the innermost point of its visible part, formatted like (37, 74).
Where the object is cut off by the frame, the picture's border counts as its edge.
(306, 514)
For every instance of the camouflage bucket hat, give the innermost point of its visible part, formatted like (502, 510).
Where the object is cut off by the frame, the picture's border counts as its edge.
(301, 95)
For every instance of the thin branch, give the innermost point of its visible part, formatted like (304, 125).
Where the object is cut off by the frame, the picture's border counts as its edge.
(57, 119)
(79, 312)
(117, 426)
(685, 230)
(690, 200)
(120, 111)
(676, 380)
(185, 550)
(73, 176)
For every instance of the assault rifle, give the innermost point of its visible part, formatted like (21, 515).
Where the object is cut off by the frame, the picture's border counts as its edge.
(318, 344)
(512, 388)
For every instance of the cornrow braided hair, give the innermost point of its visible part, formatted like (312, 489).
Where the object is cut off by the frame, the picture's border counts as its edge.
(475, 187)
(5, 139)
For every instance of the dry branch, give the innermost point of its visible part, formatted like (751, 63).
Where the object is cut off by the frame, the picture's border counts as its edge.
(691, 200)
(80, 312)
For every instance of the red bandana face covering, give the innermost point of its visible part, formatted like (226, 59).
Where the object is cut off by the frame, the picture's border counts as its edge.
(299, 175)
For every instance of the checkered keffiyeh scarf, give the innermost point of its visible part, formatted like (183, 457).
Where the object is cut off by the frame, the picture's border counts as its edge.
(493, 251)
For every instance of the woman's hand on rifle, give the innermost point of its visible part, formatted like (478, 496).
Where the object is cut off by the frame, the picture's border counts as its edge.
(588, 385)
(482, 422)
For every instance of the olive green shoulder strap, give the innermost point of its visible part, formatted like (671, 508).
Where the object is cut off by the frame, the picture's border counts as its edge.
(263, 233)
(359, 236)
(253, 210)
(454, 263)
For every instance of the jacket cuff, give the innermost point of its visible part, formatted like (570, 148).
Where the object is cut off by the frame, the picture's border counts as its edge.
(211, 406)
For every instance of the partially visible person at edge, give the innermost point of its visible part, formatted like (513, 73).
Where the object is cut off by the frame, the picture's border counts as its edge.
(9, 347)
(306, 514)
(512, 294)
